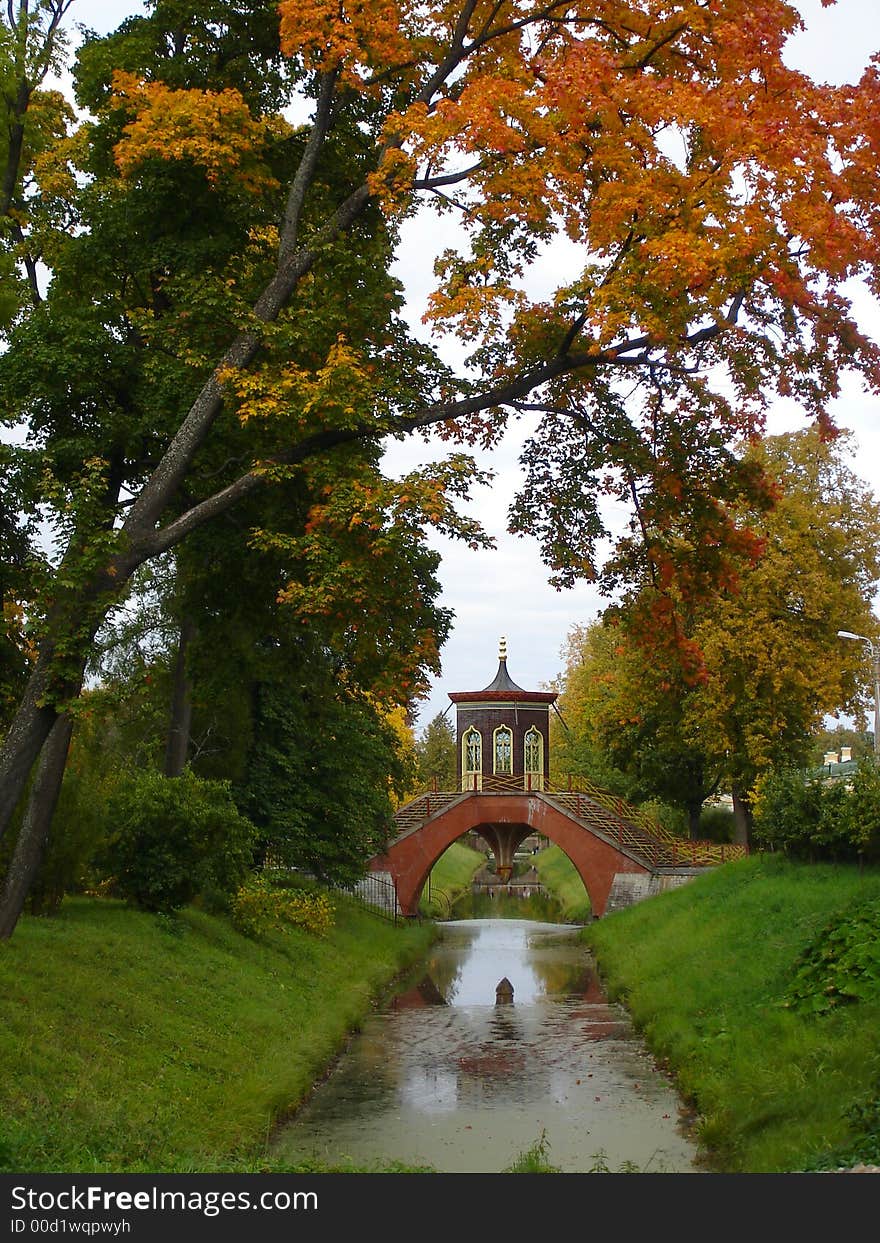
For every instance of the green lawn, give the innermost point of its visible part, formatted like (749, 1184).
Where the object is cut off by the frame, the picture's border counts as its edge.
(132, 1043)
(451, 876)
(560, 876)
(706, 971)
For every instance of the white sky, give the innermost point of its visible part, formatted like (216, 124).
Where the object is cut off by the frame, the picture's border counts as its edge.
(506, 591)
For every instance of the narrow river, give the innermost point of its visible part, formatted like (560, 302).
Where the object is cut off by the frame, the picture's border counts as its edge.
(444, 1076)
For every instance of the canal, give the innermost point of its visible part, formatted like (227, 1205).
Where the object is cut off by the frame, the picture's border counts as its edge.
(446, 1077)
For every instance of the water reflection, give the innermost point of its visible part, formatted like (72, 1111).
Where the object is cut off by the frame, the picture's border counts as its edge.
(445, 1077)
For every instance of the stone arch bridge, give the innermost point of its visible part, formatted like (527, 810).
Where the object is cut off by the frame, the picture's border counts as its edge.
(620, 853)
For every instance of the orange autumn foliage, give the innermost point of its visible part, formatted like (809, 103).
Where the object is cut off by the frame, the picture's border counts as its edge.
(213, 130)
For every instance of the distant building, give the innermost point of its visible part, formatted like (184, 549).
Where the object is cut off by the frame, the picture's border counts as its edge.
(836, 766)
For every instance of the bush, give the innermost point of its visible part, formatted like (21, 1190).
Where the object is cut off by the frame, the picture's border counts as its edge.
(77, 833)
(673, 819)
(175, 837)
(810, 817)
(862, 810)
(717, 824)
(258, 907)
(787, 811)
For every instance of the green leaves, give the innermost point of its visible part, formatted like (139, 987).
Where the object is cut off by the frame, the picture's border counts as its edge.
(841, 966)
(320, 775)
(174, 837)
(808, 816)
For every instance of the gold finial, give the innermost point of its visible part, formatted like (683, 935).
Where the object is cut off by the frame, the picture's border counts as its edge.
(502, 648)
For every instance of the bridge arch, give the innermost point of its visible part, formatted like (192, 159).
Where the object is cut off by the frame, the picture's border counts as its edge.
(411, 857)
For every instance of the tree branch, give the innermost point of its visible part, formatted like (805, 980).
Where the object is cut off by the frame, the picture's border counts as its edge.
(306, 170)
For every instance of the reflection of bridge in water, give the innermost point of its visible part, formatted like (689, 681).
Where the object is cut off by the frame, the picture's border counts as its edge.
(620, 853)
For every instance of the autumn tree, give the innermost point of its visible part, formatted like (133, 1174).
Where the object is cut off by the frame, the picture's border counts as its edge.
(625, 726)
(128, 316)
(776, 664)
(773, 665)
(716, 202)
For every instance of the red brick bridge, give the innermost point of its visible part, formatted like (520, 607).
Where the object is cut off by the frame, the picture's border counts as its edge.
(603, 836)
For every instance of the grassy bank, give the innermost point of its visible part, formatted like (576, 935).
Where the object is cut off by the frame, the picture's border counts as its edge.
(561, 877)
(451, 876)
(132, 1043)
(713, 975)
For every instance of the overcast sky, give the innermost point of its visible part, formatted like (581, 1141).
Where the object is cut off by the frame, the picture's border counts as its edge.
(506, 591)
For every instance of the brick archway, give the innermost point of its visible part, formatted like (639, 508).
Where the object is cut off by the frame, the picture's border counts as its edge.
(410, 858)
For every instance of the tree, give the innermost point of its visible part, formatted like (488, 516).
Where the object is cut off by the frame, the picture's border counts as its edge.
(321, 771)
(711, 279)
(435, 755)
(778, 666)
(810, 817)
(627, 724)
(773, 666)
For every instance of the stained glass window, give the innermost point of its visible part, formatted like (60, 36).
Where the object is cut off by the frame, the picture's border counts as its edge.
(473, 751)
(503, 750)
(534, 751)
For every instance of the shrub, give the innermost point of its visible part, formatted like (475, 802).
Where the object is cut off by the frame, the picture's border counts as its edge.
(673, 819)
(717, 824)
(787, 811)
(258, 907)
(810, 817)
(78, 831)
(173, 838)
(862, 810)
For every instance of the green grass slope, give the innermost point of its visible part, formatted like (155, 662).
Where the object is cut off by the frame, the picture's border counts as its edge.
(560, 876)
(132, 1043)
(709, 973)
(451, 876)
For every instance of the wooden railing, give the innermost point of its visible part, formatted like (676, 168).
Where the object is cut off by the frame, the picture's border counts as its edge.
(629, 827)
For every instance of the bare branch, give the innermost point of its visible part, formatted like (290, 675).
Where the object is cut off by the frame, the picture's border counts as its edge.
(448, 179)
(306, 170)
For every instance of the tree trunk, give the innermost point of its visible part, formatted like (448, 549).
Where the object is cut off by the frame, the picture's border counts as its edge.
(24, 741)
(693, 813)
(179, 728)
(34, 832)
(742, 818)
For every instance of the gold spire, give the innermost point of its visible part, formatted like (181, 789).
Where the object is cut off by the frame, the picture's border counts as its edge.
(502, 648)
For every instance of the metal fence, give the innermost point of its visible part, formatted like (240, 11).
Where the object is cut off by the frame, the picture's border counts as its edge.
(378, 892)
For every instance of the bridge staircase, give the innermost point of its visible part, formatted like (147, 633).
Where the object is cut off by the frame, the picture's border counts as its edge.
(617, 822)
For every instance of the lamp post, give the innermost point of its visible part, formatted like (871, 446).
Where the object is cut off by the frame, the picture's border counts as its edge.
(875, 661)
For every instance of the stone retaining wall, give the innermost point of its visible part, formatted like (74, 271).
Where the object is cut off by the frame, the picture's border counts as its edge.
(628, 888)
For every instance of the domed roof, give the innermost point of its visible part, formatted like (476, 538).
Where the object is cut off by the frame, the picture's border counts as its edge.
(503, 687)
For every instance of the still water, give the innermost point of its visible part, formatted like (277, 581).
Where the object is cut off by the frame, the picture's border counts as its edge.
(442, 1076)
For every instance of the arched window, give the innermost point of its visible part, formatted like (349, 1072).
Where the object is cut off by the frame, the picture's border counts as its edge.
(471, 759)
(503, 750)
(533, 757)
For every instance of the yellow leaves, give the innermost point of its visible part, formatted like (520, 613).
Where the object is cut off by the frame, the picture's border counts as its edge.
(336, 395)
(212, 130)
(392, 182)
